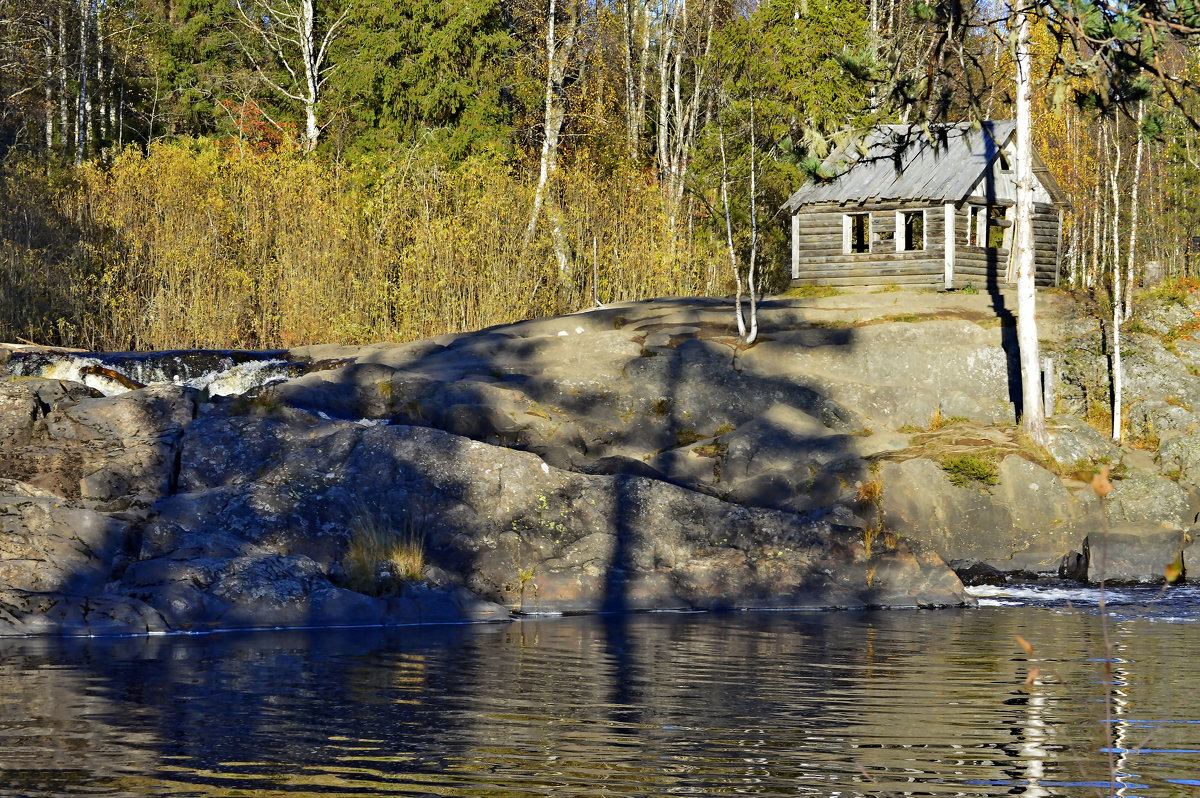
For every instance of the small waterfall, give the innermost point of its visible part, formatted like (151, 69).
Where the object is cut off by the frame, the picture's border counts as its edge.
(222, 373)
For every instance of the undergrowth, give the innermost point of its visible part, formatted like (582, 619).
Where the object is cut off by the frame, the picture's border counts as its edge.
(380, 558)
(965, 469)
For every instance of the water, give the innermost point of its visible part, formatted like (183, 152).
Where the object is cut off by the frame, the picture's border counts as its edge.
(221, 373)
(773, 703)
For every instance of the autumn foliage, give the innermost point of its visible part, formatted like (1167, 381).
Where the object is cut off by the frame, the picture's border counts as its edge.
(195, 244)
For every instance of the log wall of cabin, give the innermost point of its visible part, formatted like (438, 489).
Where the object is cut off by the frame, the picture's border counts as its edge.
(819, 248)
(819, 257)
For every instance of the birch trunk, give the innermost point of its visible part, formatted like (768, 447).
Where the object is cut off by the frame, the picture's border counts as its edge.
(1033, 419)
(100, 104)
(64, 112)
(753, 334)
(81, 108)
(636, 21)
(1114, 183)
(733, 264)
(558, 55)
(308, 54)
(48, 43)
(1133, 210)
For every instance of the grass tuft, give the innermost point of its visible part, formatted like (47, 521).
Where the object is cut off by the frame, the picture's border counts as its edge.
(380, 558)
(810, 292)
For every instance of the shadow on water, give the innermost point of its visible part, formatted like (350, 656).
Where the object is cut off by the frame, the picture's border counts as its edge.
(773, 703)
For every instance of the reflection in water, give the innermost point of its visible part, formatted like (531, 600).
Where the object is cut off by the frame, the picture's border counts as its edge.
(897, 703)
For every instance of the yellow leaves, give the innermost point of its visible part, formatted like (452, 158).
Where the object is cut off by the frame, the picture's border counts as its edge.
(1025, 646)
(1101, 484)
(196, 245)
(1174, 570)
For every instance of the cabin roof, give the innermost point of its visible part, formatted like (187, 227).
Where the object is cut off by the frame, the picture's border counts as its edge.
(902, 162)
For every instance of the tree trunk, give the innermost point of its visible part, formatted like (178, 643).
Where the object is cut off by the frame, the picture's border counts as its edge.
(1133, 211)
(48, 42)
(81, 109)
(1114, 183)
(64, 113)
(636, 22)
(558, 55)
(308, 54)
(751, 275)
(737, 272)
(1033, 419)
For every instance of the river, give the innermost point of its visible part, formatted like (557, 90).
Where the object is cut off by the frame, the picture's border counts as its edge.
(762, 703)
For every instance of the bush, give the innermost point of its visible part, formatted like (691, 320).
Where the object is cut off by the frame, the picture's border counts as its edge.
(191, 245)
(965, 469)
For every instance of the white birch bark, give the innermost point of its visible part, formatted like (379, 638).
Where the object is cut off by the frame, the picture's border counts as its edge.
(1133, 210)
(83, 103)
(750, 280)
(733, 263)
(48, 43)
(558, 54)
(1114, 183)
(64, 113)
(636, 22)
(1033, 419)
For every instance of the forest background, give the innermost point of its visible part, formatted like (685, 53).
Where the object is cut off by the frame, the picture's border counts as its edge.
(270, 173)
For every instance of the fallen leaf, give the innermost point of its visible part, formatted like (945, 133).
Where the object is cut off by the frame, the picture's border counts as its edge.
(1174, 570)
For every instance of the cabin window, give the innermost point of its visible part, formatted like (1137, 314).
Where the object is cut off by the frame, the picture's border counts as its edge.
(985, 226)
(995, 234)
(856, 233)
(975, 217)
(910, 230)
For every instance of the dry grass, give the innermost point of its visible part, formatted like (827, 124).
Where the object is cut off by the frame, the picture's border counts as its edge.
(379, 558)
(192, 246)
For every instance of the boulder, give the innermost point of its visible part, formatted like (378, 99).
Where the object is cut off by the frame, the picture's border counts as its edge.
(1141, 496)
(1134, 553)
(1180, 458)
(94, 449)
(503, 523)
(1025, 523)
(1073, 442)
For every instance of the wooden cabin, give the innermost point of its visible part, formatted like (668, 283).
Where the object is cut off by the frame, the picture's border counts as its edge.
(911, 208)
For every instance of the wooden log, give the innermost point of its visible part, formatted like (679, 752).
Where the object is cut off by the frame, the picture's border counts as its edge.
(112, 374)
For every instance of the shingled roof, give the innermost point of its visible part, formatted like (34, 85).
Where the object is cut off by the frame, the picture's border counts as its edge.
(901, 162)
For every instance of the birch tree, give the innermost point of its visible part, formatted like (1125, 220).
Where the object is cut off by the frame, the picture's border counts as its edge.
(558, 56)
(298, 42)
(1114, 184)
(1033, 416)
(635, 53)
(683, 71)
(1133, 207)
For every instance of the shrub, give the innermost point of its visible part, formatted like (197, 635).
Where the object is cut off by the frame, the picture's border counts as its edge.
(965, 469)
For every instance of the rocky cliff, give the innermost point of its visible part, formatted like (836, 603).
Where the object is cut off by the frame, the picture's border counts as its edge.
(630, 457)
